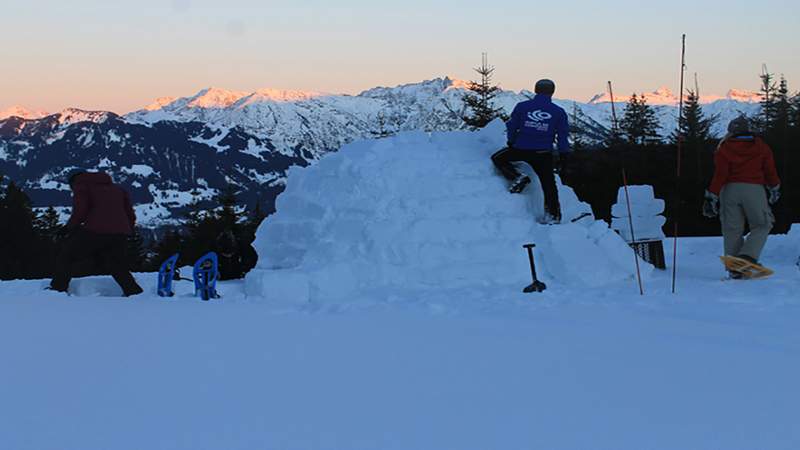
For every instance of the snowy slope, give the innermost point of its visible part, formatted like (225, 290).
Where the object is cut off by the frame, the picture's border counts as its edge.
(432, 105)
(165, 166)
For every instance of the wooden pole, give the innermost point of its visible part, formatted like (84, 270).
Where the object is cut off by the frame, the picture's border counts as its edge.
(676, 208)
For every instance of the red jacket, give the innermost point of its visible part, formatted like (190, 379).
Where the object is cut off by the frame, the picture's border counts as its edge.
(743, 159)
(100, 206)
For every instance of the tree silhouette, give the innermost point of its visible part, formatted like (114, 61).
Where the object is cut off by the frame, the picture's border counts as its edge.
(479, 98)
(639, 124)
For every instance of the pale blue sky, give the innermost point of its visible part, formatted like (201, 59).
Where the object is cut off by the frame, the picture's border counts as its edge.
(121, 55)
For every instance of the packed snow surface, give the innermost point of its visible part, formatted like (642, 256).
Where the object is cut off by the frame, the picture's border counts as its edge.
(713, 367)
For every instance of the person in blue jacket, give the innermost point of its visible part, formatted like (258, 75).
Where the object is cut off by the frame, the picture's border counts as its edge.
(532, 129)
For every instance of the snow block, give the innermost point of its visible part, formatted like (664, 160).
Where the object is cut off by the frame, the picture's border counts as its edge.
(645, 211)
(422, 211)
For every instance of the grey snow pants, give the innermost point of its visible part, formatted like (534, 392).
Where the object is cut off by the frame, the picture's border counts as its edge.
(740, 202)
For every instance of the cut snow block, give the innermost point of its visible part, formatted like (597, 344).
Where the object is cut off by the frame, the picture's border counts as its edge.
(649, 228)
(97, 286)
(645, 212)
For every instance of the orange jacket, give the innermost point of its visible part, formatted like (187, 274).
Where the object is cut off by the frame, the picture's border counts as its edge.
(743, 159)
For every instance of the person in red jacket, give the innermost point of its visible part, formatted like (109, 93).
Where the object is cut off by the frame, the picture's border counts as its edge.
(743, 167)
(102, 219)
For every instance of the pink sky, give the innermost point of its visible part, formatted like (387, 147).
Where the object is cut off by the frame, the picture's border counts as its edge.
(102, 55)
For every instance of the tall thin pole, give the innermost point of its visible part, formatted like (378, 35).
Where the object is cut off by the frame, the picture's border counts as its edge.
(614, 126)
(678, 169)
(633, 236)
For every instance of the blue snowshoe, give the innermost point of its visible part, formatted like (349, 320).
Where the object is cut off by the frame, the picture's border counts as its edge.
(205, 276)
(166, 274)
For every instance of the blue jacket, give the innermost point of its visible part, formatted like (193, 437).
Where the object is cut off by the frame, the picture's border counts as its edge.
(535, 123)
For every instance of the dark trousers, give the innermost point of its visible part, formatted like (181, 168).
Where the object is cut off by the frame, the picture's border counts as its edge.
(542, 164)
(110, 249)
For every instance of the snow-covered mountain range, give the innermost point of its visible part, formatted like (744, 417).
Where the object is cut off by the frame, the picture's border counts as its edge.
(200, 144)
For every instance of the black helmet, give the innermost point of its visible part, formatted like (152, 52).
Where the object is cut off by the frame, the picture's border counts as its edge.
(739, 125)
(545, 86)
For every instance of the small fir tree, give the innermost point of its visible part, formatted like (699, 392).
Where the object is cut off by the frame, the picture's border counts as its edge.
(19, 243)
(639, 124)
(694, 127)
(479, 98)
(782, 111)
(577, 129)
(47, 225)
(768, 90)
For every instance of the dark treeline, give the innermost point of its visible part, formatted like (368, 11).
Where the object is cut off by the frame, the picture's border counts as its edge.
(595, 173)
(32, 239)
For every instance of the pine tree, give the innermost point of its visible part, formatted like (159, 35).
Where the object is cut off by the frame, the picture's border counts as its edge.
(794, 121)
(382, 125)
(782, 111)
(639, 124)
(227, 213)
(694, 127)
(576, 129)
(137, 252)
(766, 120)
(171, 243)
(780, 133)
(479, 98)
(19, 243)
(47, 225)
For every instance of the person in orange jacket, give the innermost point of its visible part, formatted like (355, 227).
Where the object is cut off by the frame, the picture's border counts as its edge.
(743, 168)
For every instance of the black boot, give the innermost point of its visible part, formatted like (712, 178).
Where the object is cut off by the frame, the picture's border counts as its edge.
(519, 184)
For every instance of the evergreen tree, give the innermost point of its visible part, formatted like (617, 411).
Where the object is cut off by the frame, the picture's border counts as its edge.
(479, 98)
(694, 127)
(382, 125)
(171, 243)
(780, 133)
(18, 245)
(137, 252)
(576, 129)
(766, 120)
(694, 133)
(782, 111)
(639, 124)
(47, 229)
(47, 225)
(224, 229)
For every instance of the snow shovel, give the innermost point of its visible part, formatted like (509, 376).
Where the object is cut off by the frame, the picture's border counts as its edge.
(536, 286)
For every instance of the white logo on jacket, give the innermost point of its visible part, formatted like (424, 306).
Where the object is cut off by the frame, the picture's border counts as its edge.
(539, 115)
(538, 120)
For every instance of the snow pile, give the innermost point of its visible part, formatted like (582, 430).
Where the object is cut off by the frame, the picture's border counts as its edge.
(646, 212)
(422, 211)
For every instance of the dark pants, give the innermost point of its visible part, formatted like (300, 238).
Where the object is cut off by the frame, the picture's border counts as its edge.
(110, 249)
(542, 164)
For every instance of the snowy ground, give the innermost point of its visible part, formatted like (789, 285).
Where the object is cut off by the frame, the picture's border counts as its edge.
(713, 367)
